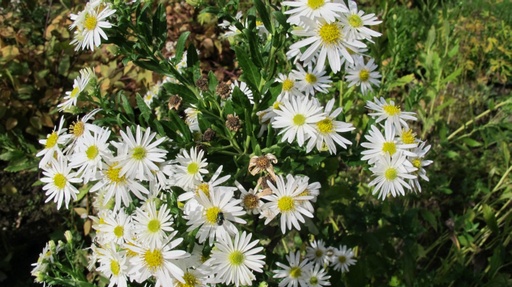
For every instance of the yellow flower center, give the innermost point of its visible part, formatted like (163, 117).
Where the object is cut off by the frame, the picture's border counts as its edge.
(77, 129)
(364, 75)
(139, 153)
(52, 140)
(390, 173)
(288, 85)
(92, 152)
(299, 119)
(391, 110)
(190, 280)
(119, 231)
(204, 188)
(315, 4)
(154, 259)
(115, 267)
(211, 214)
(325, 126)
(313, 280)
(310, 78)
(90, 22)
(408, 137)
(342, 259)
(285, 204)
(74, 92)
(389, 147)
(355, 21)
(319, 253)
(60, 181)
(236, 258)
(416, 163)
(275, 106)
(330, 33)
(250, 201)
(295, 272)
(112, 174)
(192, 168)
(154, 225)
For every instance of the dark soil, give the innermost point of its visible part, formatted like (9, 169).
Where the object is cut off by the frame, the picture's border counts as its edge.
(26, 224)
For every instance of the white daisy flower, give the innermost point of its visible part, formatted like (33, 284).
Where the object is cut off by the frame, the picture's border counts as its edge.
(325, 41)
(235, 259)
(389, 112)
(206, 187)
(379, 145)
(355, 22)
(78, 129)
(294, 272)
(215, 215)
(328, 129)
(152, 93)
(317, 252)
(52, 144)
(79, 85)
(116, 227)
(297, 118)
(90, 24)
(312, 80)
(391, 173)
(316, 276)
(158, 262)
(285, 200)
(89, 153)
(313, 9)
(342, 258)
(364, 75)
(419, 162)
(151, 225)
(191, 119)
(244, 89)
(59, 182)
(142, 153)
(267, 115)
(118, 186)
(113, 265)
(190, 168)
(289, 87)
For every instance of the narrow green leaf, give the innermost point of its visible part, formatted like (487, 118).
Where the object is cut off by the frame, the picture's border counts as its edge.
(490, 218)
(180, 46)
(251, 72)
(144, 109)
(402, 81)
(265, 17)
(471, 142)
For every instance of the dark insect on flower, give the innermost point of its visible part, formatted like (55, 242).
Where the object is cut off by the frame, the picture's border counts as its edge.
(220, 218)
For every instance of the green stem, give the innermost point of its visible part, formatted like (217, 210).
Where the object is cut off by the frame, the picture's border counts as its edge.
(483, 114)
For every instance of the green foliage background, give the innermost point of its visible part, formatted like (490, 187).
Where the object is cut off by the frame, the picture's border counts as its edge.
(450, 61)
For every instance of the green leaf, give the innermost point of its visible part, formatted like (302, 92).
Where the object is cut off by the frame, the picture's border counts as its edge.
(452, 76)
(254, 45)
(180, 46)
(126, 106)
(490, 218)
(402, 81)
(144, 109)
(262, 11)
(429, 217)
(251, 72)
(471, 142)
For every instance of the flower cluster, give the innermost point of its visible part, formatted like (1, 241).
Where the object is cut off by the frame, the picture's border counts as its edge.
(167, 196)
(396, 156)
(89, 24)
(312, 269)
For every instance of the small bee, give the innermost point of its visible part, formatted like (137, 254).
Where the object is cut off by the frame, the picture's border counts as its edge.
(220, 218)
